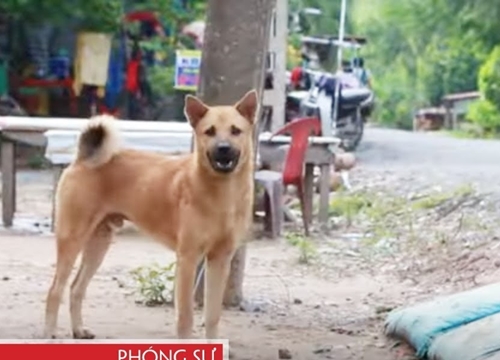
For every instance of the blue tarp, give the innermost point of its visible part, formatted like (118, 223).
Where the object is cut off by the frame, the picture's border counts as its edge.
(420, 325)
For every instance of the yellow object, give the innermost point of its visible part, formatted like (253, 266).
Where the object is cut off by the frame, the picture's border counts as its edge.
(92, 60)
(101, 91)
(43, 104)
(293, 56)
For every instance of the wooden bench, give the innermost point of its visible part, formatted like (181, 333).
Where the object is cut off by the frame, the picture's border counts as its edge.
(60, 135)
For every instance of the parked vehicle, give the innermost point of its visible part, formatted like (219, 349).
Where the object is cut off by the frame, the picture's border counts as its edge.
(355, 104)
(343, 101)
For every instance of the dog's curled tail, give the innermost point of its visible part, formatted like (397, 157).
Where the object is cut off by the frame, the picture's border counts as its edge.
(98, 142)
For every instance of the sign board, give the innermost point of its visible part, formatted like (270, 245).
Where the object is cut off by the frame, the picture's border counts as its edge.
(187, 69)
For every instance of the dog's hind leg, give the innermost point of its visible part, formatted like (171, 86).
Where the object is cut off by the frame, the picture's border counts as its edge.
(93, 254)
(218, 265)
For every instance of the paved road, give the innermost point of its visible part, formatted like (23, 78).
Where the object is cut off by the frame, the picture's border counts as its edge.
(434, 156)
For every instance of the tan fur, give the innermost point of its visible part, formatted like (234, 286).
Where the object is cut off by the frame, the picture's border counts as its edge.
(181, 202)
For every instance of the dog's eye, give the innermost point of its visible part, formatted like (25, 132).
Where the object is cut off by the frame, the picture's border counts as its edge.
(235, 131)
(210, 131)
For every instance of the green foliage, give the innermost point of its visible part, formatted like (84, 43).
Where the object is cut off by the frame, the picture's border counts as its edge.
(486, 112)
(37, 11)
(107, 16)
(100, 16)
(155, 283)
(489, 77)
(162, 79)
(420, 50)
(94, 15)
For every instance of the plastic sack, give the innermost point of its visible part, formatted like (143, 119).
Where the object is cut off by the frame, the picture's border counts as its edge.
(422, 323)
(478, 340)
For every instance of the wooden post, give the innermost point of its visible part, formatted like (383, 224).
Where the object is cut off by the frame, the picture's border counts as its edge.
(233, 59)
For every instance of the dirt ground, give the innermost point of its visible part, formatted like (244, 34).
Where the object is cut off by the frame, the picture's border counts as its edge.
(331, 308)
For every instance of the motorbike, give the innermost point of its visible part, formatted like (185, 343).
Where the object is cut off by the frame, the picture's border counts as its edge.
(355, 104)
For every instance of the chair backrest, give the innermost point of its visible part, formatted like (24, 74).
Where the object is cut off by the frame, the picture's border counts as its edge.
(299, 130)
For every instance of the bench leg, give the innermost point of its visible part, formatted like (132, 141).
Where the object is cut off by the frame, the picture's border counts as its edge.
(57, 175)
(324, 194)
(309, 191)
(8, 182)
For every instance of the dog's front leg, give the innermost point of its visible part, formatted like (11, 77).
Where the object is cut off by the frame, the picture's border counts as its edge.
(184, 300)
(218, 265)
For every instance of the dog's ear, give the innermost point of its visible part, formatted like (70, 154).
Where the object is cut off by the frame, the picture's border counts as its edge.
(194, 109)
(247, 106)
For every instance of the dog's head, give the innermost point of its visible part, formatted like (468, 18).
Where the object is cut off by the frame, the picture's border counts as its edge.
(223, 134)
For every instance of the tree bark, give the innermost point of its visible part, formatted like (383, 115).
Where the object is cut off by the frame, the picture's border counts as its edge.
(233, 62)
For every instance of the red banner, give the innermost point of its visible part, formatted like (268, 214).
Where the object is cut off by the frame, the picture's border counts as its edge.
(115, 350)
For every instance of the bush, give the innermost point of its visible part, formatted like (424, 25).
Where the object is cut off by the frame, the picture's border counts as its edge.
(486, 112)
(489, 78)
(395, 97)
(486, 115)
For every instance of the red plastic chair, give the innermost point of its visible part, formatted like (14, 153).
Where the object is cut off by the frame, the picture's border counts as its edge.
(293, 170)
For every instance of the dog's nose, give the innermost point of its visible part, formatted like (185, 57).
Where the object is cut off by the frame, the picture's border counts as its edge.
(223, 148)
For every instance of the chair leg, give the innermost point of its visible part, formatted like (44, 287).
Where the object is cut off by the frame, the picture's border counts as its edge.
(303, 207)
(268, 221)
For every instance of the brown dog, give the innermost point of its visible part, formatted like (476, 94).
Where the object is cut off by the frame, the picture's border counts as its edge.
(199, 205)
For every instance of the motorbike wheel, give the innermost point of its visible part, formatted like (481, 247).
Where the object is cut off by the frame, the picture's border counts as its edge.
(351, 139)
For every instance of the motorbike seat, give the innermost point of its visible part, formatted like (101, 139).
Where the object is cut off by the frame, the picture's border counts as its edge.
(354, 97)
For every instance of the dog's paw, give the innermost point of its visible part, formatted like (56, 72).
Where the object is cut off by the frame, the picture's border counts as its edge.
(83, 334)
(48, 334)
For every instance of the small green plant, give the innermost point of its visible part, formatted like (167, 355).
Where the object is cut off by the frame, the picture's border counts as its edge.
(349, 205)
(307, 251)
(436, 199)
(155, 283)
(432, 201)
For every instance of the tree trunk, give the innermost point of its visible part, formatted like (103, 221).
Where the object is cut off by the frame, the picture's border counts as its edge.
(233, 62)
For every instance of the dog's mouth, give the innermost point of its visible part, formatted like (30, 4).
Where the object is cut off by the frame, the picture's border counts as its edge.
(224, 164)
